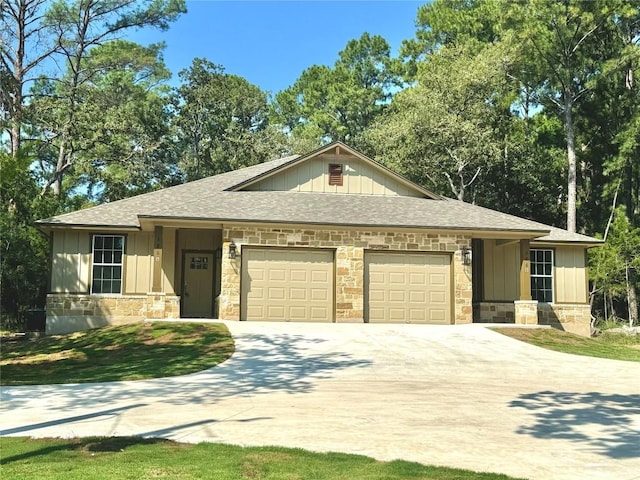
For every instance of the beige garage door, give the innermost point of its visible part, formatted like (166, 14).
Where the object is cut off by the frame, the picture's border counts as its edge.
(287, 285)
(408, 288)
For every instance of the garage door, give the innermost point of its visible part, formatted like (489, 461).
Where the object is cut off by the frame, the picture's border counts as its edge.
(408, 288)
(287, 285)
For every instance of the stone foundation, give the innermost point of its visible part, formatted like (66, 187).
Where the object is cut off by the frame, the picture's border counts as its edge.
(494, 312)
(573, 318)
(74, 312)
(349, 247)
(526, 312)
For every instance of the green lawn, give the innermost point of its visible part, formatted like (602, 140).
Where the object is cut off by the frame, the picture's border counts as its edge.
(617, 346)
(130, 352)
(137, 458)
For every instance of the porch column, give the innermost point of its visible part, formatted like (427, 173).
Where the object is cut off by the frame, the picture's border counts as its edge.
(525, 309)
(157, 260)
(525, 271)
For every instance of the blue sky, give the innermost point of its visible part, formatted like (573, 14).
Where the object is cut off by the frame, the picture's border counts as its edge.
(270, 42)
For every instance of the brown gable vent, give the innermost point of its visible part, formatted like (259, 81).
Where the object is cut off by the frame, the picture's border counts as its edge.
(335, 174)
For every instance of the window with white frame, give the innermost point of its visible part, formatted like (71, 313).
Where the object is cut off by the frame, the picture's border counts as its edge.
(541, 274)
(108, 252)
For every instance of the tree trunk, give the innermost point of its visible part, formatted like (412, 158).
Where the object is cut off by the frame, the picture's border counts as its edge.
(632, 298)
(571, 157)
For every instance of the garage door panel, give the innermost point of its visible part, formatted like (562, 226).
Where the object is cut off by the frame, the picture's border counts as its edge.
(298, 275)
(397, 296)
(320, 276)
(408, 287)
(277, 275)
(417, 296)
(439, 298)
(287, 284)
(318, 294)
(397, 315)
(397, 278)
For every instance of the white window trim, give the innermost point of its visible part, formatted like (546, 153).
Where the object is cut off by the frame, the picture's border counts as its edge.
(551, 276)
(94, 264)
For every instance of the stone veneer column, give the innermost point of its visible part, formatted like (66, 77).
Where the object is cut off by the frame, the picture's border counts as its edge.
(349, 284)
(526, 312)
(463, 290)
(229, 301)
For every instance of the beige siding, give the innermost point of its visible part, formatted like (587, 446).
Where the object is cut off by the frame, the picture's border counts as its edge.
(138, 262)
(70, 262)
(570, 275)
(501, 271)
(169, 260)
(359, 177)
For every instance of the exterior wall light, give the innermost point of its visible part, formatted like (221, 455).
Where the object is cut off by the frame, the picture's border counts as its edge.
(232, 250)
(466, 256)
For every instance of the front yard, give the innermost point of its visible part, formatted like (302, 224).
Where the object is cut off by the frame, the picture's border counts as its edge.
(130, 352)
(616, 346)
(138, 458)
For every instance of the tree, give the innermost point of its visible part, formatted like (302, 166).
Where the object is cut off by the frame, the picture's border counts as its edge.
(221, 122)
(327, 104)
(120, 133)
(79, 27)
(564, 49)
(615, 266)
(24, 45)
(24, 262)
(446, 129)
(561, 41)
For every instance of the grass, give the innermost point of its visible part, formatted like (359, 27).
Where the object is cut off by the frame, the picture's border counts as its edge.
(130, 352)
(138, 458)
(616, 346)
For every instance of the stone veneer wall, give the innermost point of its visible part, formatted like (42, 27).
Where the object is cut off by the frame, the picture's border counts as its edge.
(350, 247)
(573, 318)
(67, 312)
(494, 312)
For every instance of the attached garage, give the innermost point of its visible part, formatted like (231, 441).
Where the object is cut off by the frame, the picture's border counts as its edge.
(407, 288)
(287, 285)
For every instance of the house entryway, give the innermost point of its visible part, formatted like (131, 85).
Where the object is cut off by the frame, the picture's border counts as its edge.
(197, 284)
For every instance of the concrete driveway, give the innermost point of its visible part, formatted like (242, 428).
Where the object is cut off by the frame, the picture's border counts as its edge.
(460, 396)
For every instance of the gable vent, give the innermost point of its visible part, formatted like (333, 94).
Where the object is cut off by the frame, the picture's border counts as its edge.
(335, 174)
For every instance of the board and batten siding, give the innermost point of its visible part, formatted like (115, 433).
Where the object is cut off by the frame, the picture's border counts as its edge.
(502, 266)
(571, 285)
(501, 271)
(138, 262)
(70, 261)
(313, 176)
(169, 277)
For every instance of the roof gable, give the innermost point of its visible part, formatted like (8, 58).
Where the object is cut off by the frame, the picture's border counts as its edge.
(357, 174)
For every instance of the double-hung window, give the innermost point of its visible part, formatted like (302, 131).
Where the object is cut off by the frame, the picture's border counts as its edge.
(108, 252)
(541, 274)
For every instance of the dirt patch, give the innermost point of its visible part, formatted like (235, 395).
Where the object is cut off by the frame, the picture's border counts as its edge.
(161, 340)
(524, 334)
(45, 358)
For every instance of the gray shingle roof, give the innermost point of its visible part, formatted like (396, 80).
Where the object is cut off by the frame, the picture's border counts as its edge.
(208, 199)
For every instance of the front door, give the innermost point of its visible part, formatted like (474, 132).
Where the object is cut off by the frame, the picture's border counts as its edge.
(197, 285)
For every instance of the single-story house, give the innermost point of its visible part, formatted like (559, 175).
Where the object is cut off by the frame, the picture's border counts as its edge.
(331, 236)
